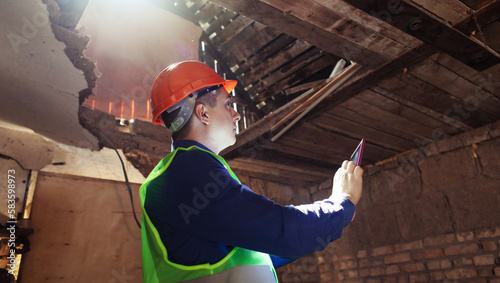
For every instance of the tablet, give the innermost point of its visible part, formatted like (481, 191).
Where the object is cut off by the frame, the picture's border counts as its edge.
(358, 153)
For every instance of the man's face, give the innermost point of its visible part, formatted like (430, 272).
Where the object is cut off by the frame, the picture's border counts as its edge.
(223, 120)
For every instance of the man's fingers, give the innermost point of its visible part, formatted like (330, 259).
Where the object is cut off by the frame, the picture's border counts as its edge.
(344, 164)
(358, 171)
(350, 166)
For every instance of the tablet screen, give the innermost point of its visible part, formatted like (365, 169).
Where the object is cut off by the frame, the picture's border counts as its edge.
(358, 153)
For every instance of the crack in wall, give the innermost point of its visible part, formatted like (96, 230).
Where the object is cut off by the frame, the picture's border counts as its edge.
(450, 213)
(62, 23)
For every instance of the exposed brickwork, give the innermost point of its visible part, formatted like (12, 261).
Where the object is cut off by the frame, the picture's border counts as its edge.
(458, 273)
(465, 236)
(382, 251)
(397, 258)
(439, 240)
(487, 259)
(429, 253)
(488, 233)
(408, 246)
(449, 257)
(461, 249)
(489, 246)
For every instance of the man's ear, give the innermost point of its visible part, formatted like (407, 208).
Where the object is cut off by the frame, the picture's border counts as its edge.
(201, 113)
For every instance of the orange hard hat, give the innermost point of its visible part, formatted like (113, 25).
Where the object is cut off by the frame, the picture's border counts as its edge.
(179, 80)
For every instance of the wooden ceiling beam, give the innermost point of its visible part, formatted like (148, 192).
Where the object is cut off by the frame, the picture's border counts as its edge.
(259, 134)
(268, 170)
(479, 18)
(416, 21)
(476, 4)
(316, 34)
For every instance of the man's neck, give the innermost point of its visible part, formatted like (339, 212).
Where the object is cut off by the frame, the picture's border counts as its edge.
(207, 142)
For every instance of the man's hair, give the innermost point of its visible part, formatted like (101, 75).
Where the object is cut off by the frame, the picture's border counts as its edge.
(209, 99)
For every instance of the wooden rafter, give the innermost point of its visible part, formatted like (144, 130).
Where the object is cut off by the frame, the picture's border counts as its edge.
(480, 18)
(411, 18)
(289, 17)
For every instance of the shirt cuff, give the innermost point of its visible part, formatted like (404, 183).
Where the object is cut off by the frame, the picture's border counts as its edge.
(343, 203)
(349, 209)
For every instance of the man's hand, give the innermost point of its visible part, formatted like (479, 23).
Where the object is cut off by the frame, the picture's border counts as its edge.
(348, 182)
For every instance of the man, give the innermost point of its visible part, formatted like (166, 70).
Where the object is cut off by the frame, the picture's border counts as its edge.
(199, 223)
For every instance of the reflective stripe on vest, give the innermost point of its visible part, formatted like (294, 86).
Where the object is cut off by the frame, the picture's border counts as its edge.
(240, 265)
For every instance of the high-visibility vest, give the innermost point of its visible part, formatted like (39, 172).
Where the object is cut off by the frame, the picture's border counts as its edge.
(240, 265)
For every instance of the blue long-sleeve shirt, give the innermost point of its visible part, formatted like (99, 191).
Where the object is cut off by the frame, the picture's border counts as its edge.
(201, 213)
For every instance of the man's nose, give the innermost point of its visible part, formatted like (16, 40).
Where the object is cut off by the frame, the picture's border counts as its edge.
(236, 115)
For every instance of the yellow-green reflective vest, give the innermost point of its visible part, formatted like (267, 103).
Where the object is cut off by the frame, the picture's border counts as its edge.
(240, 265)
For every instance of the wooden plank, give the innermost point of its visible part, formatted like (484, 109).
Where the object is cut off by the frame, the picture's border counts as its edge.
(266, 50)
(332, 145)
(284, 71)
(195, 5)
(435, 74)
(207, 14)
(258, 43)
(234, 27)
(241, 40)
(296, 151)
(476, 4)
(30, 194)
(267, 177)
(266, 167)
(284, 20)
(417, 91)
(391, 121)
(458, 125)
(369, 120)
(272, 63)
(487, 80)
(485, 15)
(435, 32)
(303, 87)
(451, 11)
(404, 111)
(304, 162)
(295, 78)
(490, 34)
(339, 19)
(356, 130)
(222, 20)
(365, 20)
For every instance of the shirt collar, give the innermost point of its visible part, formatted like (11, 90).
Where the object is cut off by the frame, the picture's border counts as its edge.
(188, 143)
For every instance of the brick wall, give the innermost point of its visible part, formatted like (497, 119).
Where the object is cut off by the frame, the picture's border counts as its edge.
(471, 256)
(430, 214)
